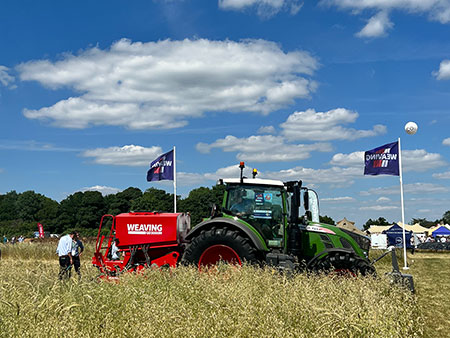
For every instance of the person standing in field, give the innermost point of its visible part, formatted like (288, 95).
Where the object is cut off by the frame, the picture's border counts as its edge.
(77, 249)
(64, 251)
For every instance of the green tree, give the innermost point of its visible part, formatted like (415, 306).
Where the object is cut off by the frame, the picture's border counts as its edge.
(327, 220)
(122, 201)
(446, 217)
(423, 222)
(379, 221)
(153, 200)
(8, 209)
(199, 202)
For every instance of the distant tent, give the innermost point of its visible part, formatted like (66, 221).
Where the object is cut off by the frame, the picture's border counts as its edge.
(441, 231)
(378, 229)
(395, 236)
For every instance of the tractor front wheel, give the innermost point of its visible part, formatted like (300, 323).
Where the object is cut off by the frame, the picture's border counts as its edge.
(216, 245)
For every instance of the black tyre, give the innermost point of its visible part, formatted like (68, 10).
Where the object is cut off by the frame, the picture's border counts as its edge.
(341, 263)
(219, 244)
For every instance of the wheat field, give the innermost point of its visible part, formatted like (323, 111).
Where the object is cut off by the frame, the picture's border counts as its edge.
(224, 302)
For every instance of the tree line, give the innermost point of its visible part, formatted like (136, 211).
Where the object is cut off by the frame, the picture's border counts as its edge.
(82, 211)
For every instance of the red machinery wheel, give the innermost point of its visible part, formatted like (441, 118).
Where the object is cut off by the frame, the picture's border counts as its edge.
(216, 253)
(219, 244)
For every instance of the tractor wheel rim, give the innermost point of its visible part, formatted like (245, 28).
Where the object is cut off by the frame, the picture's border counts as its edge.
(216, 253)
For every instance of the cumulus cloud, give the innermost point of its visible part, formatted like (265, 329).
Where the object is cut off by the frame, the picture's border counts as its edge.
(264, 148)
(446, 142)
(6, 79)
(338, 199)
(325, 126)
(418, 160)
(264, 8)
(437, 10)
(103, 189)
(444, 71)
(379, 207)
(266, 130)
(128, 155)
(377, 26)
(413, 188)
(165, 83)
(196, 178)
(383, 199)
(442, 176)
(334, 175)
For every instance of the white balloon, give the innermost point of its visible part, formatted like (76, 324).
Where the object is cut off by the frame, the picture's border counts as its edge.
(411, 128)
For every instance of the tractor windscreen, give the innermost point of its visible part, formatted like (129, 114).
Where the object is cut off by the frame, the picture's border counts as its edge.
(260, 206)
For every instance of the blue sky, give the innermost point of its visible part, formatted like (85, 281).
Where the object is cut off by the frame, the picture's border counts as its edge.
(92, 91)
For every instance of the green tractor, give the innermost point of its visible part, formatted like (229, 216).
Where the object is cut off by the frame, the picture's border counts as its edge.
(259, 222)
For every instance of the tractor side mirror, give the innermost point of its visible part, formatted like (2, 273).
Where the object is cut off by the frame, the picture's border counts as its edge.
(306, 200)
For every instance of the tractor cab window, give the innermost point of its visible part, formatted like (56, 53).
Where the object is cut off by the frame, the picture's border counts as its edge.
(260, 206)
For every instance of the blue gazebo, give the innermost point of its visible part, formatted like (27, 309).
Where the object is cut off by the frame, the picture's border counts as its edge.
(395, 236)
(441, 231)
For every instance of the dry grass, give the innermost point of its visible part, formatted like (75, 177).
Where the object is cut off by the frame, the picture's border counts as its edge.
(231, 302)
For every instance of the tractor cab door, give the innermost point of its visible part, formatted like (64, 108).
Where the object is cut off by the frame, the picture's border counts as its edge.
(261, 207)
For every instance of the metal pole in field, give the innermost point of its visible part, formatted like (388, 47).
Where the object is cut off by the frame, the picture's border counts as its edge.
(174, 181)
(405, 267)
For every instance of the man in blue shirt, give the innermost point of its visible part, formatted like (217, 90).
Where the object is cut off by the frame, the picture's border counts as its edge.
(64, 251)
(77, 249)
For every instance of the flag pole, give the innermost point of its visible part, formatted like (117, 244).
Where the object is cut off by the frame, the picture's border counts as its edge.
(405, 267)
(174, 181)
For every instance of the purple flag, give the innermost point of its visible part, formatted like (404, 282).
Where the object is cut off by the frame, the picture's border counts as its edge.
(383, 160)
(161, 168)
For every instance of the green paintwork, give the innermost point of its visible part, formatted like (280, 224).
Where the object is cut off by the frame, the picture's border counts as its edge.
(312, 243)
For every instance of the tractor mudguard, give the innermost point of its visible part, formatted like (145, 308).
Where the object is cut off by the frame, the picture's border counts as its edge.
(232, 224)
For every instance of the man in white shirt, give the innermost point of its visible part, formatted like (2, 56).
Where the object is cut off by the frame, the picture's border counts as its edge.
(64, 251)
(115, 254)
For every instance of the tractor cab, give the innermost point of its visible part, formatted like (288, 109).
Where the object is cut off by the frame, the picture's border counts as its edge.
(260, 203)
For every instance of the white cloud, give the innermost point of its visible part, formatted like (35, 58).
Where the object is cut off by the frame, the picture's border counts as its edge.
(442, 176)
(338, 199)
(162, 84)
(266, 130)
(103, 189)
(379, 207)
(188, 179)
(6, 79)
(444, 71)
(264, 148)
(334, 175)
(310, 125)
(377, 26)
(418, 160)
(437, 10)
(383, 199)
(129, 155)
(446, 142)
(264, 8)
(414, 188)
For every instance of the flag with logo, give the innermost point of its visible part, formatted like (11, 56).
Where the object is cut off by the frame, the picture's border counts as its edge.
(41, 230)
(161, 168)
(383, 160)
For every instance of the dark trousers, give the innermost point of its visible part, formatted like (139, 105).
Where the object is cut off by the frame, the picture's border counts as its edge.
(76, 265)
(65, 267)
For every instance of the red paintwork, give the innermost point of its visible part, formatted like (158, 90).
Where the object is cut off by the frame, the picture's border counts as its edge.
(160, 235)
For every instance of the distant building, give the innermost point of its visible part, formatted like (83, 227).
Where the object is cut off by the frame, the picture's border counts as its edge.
(349, 225)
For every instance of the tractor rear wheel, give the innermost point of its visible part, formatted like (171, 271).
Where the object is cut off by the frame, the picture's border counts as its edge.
(219, 244)
(341, 263)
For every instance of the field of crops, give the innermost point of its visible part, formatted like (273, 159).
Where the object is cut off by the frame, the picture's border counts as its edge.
(227, 302)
